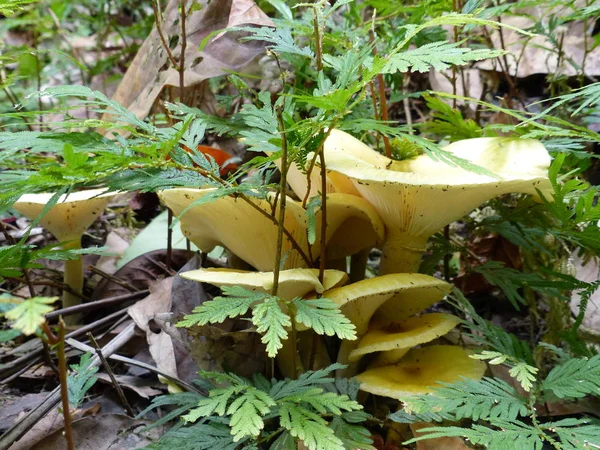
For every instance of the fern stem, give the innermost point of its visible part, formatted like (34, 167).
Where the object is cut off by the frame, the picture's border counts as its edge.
(282, 201)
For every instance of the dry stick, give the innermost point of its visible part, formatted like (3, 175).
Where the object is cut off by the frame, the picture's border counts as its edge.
(12, 241)
(96, 304)
(132, 362)
(116, 280)
(36, 353)
(157, 20)
(62, 369)
(34, 416)
(111, 375)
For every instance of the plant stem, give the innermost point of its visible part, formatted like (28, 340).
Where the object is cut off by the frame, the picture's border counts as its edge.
(111, 375)
(62, 370)
(157, 20)
(73, 278)
(282, 201)
(382, 99)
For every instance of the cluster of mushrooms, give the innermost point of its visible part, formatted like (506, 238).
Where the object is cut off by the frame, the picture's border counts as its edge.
(372, 201)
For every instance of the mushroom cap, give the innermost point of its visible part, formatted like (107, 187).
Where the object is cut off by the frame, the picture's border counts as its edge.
(72, 214)
(420, 371)
(292, 283)
(298, 181)
(398, 296)
(234, 224)
(419, 196)
(404, 334)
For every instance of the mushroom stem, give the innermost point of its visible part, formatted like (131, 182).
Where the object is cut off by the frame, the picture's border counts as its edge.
(402, 253)
(358, 265)
(73, 277)
(346, 348)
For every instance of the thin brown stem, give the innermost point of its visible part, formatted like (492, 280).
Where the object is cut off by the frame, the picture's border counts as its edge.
(158, 20)
(323, 237)
(182, 55)
(113, 279)
(111, 375)
(62, 368)
(282, 202)
(84, 307)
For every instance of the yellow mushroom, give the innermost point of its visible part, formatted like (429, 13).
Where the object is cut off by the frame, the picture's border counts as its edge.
(399, 296)
(67, 220)
(352, 226)
(420, 371)
(417, 197)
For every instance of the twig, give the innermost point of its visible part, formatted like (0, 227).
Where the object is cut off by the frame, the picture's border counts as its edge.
(114, 279)
(182, 55)
(133, 362)
(157, 20)
(6, 368)
(34, 416)
(59, 341)
(406, 103)
(111, 375)
(84, 307)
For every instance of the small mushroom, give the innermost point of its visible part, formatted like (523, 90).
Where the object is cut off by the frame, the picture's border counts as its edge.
(404, 334)
(417, 197)
(352, 226)
(67, 220)
(420, 371)
(395, 296)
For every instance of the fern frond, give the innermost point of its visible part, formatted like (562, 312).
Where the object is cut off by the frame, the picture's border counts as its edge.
(235, 302)
(272, 322)
(472, 399)
(324, 317)
(576, 378)
(437, 55)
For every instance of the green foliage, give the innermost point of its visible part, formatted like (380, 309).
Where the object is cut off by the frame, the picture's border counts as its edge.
(576, 378)
(324, 316)
(272, 316)
(437, 55)
(28, 315)
(299, 404)
(81, 379)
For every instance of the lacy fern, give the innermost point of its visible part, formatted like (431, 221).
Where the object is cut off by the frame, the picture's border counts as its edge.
(301, 405)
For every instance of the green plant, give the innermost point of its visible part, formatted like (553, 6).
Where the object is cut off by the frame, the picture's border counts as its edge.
(335, 62)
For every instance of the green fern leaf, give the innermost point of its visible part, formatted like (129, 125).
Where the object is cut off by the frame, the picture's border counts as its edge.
(437, 55)
(324, 317)
(576, 378)
(309, 427)
(236, 302)
(271, 321)
(246, 412)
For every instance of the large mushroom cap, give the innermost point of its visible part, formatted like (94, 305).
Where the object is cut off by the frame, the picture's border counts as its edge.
(71, 215)
(404, 334)
(417, 197)
(292, 283)
(420, 371)
(238, 226)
